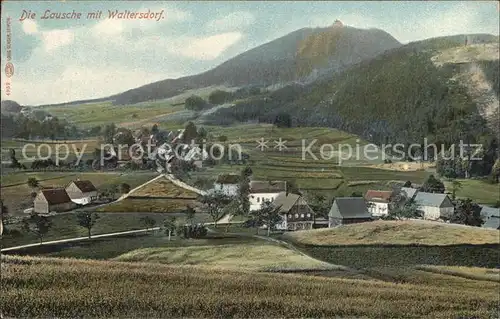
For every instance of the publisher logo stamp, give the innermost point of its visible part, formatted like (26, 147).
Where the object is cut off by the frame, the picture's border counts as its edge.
(9, 69)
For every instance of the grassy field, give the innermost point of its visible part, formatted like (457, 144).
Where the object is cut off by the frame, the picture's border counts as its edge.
(149, 205)
(477, 190)
(92, 114)
(396, 233)
(112, 247)
(245, 256)
(17, 198)
(51, 287)
(474, 273)
(66, 226)
(164, 188)
(401, 244)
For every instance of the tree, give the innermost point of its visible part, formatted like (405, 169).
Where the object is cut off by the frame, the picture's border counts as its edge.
(268, 215)
(190, 133)
(244, 190)
(4, 212)
(148, 222)
(124, 137)
(318, 204)
(219, 97)
(195, 103)
(169, 225)
(356, 194)
(495, 171)
(401, 207)
(108, 133)
(455, 186)
(33, 182)
(467, 213)
(38, 225)
(291, 187)
(407, 184)
(433, 185)
(190, 213)
(124, 188)
(87, 220)
(154, 129)
(283, 120)
(222, 138)
(214, 204)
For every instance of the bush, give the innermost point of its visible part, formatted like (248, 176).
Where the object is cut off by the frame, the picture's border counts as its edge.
(193, 231)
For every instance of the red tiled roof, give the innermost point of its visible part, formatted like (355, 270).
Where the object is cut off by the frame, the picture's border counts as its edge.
(378, 195)
(56, 196)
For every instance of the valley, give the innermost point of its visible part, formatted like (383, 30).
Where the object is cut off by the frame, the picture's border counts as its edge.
(325, 172)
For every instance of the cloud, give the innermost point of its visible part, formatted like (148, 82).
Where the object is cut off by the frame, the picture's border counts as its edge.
(54, 39)
(207, 48)
(233, 21)
(80, 82)
(29, 26)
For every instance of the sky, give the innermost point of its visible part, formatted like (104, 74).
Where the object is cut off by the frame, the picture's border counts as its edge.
(61, 60)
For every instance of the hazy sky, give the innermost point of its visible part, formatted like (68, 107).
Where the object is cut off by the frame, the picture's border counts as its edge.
(64, 60)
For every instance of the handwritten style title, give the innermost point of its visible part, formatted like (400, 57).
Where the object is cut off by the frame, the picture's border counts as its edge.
(112, 14)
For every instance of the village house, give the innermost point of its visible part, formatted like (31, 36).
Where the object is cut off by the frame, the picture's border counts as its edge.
(228, 184)
(378, 202)
(434, 206)
(52, 200)
(296, 213)
(82, 192)
(409, 192)
(348, 210)
(491, 217)
(261, 191)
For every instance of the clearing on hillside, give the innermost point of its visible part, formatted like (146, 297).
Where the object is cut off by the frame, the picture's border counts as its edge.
(396, 233)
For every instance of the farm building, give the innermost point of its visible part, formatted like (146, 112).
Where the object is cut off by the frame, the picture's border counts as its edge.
(49, 200)
(409, 192)
(82, 192)
(295, 212)
(348, 210)
(491, 217)
(227, 184)
(378, 202)
(261, 191)
(434, 206)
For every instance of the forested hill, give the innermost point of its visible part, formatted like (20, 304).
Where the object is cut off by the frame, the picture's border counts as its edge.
(289, 58)
(398, 97)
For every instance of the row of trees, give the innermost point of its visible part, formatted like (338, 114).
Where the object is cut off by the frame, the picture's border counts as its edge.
(218, 97)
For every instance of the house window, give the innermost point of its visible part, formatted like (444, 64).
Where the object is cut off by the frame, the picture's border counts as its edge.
(308, 215)
(301, 215)
(258, 199)
(296, 215)
(289, 215)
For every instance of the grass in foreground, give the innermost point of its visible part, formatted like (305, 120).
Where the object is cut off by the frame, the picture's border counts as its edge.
(396, 233)
(474, 273)
(50, 287)
(248, 256)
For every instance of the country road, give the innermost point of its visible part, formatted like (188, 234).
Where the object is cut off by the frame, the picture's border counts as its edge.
(68, 240)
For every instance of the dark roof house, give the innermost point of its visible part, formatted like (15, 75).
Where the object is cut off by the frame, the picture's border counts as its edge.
(267, 186)
(348, 210)
(85, 186)
(285, 202)
(228, 179)
(433, 199)
(56, 196)
(349, 207)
